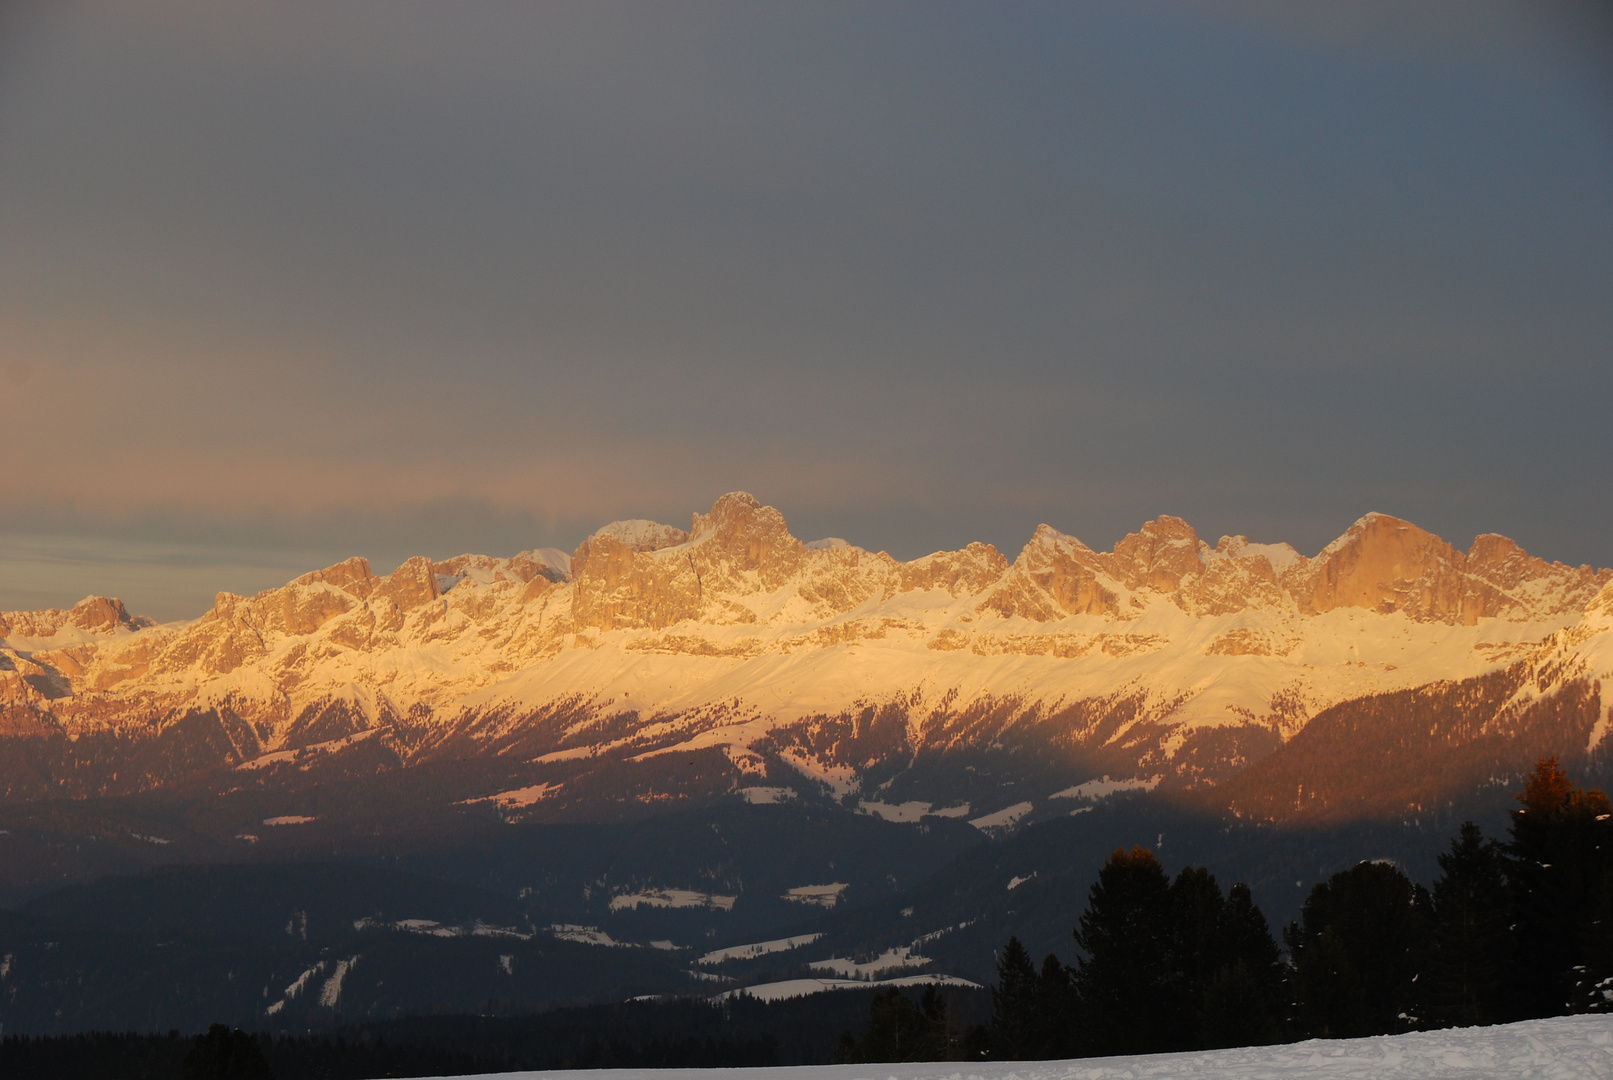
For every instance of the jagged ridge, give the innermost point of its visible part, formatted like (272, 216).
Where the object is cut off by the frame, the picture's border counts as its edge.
(783, 662)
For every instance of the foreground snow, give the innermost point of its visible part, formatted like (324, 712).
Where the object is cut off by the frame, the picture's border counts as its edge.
(1565, 1048)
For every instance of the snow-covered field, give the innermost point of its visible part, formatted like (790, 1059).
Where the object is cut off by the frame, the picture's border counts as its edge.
(1565, 1048)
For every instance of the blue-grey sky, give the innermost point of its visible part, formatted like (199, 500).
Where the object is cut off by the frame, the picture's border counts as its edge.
(281, 283)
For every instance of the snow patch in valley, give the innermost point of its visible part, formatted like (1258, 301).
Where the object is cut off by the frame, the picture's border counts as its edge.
(1002, 819)
(1093, 790)
(671, 898)
(793, 988)
(433, 928)
(841, 779)
(826, 896)
(890, 960)
(910, 811)
(924, 939)
(288, 819)
(586, 935)
(1016, 881)
(960, 810)
(760, 948)
(906, 812)
(295, 989)
(330, 746)
(331, 992)
(526, 796)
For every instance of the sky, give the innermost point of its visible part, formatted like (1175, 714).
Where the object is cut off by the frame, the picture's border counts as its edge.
(281, 284)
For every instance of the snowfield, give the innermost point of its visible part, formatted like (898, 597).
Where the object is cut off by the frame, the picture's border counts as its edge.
(1563, 1048)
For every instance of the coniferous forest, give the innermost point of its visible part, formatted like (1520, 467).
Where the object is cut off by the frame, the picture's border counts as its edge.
(1511, 930)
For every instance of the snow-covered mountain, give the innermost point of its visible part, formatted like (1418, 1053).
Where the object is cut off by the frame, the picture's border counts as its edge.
(656, 666)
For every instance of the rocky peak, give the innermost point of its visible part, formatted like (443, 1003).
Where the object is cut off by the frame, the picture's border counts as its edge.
(410, 585)
(741, 535)
(1163, 555)
(352, 576)
(728, 511)
(93, 614)
(1507, 567)
(1387, 565)
(961, 573)
(103, 614)
(1054, 575)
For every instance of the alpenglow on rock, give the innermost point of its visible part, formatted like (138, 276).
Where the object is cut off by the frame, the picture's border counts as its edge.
(655, 665)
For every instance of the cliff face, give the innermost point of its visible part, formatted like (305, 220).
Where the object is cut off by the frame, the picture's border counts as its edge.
(773, 661)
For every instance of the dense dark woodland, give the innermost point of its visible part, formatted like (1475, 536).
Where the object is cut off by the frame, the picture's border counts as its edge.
(1510, 931)
(638, 1034)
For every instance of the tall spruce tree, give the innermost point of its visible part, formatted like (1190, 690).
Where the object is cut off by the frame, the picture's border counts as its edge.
(1015, 1006)
(1130, 995)
(1561, 853)
(1471, 953)
(1056, 1017)
(1358, 950)
(1243, 998)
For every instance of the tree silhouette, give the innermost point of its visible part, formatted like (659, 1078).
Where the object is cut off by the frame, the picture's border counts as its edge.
(225, 1054)
(1056, 1011)
(1357, 952)
(1472, 947)
(1243, 993)
(1015, 1006)
(1561, 853)
(1131, 998)
(899, 1030)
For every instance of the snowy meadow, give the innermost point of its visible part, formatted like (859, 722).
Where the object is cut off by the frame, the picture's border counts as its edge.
(1561, 1048)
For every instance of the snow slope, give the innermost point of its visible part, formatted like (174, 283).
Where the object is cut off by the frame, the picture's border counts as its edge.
(1566, 1048)
(1175, 658)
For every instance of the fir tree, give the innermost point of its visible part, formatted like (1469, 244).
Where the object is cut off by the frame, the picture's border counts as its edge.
(1131, 998)
(1015, 1006)
(1471, 951)
(1561, 853)
(1055, 1010)
(1242, 999)
(1357, 952)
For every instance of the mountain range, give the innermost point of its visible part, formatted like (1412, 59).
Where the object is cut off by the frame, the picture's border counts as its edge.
(680, 742)
(655, 666)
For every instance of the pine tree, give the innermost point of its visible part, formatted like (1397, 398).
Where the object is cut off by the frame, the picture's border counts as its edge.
(1358, 950)
(1055, 1010)
(1471, 952)
(1015, 1006)
(1561, 853)
(1130, 996)
(1241, 1002)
